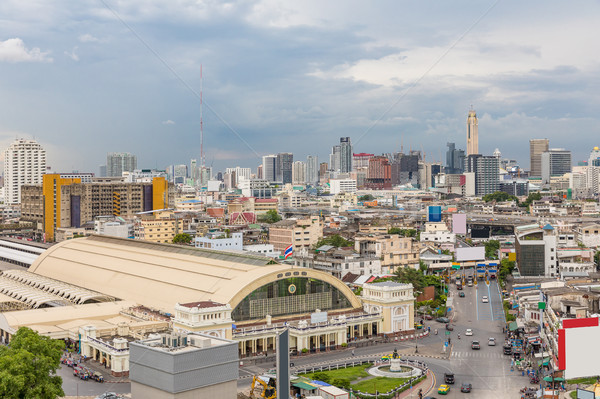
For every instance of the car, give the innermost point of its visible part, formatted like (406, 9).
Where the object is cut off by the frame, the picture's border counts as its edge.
(475, 345)
(466, 387)
(428, 317)
(109, 395)
(449, 327)
(469, 332)
(470, 284)
(459, 287)
(491, 341)
(418, 326)
(449, 378)
(484, 299)
(444, 389)
(461, 294)
(444, 320)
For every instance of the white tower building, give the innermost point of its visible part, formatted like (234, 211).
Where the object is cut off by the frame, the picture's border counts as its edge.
(24, 163)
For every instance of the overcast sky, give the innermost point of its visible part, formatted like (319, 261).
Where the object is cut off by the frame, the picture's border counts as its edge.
(87, 77)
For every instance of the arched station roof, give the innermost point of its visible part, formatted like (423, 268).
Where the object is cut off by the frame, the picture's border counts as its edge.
(162, 275)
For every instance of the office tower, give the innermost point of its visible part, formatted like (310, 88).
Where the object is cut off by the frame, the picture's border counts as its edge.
(284, 167)
(334, 158)
(536, 148)
(269, 167)
(455, 159)
(102, 171)
(24, 163)
(119, 162)
(472, 133)
(486, 170)
(240, 173)
(555, 162)
(379, 174)
(194, 169)
(345, 155)
(259, 172)
(312, 169)
(299, 172)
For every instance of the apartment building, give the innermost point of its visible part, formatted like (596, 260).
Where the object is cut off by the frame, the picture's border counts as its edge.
(302, 233)
(24, 164)
(394, 250)
(162, 227)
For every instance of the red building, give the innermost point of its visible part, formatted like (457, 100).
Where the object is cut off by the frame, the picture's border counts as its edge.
(379, 174)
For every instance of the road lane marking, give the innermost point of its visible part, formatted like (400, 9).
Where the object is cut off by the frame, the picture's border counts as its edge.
(490, 301)
(477, 301)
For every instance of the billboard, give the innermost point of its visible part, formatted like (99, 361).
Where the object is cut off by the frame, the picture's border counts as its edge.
(578, 345)
(478, 231)
(434, 214)
(469, 254)
(318, 317)
(459, 223)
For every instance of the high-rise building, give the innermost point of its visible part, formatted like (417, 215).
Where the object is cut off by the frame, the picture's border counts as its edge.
(24, 163)
(594, 159)
(102, 171)
(269, 167)
(194, 170)
(240, 173)
(299, 172)
(312, 169)
(345, 155)
(119, 162)
(555, 162)
(323, 167)
(472, 134)
(284, 167)
(486, 170)
(536, 148)
(379, 174)
(361, 160)
(455, 159)
(334, 158)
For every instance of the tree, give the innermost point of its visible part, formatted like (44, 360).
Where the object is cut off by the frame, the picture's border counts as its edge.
(28, 366)
(408, 275)
(530, 198)
(367, 197)
(500, 196)
(182, 238)
(491, 249)
(272, 216)
(335, 240)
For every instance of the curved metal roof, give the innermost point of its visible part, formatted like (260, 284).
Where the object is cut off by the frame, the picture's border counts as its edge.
(160, 275)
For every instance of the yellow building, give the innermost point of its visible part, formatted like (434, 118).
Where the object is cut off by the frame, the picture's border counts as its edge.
(394, 250)
(302, 233)
(158, 227)
(394, 301)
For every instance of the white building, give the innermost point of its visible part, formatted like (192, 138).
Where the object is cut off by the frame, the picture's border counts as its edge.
(119, 162)
(438, 236)
(110, 226)
(342, 186)
(299, 172)
(240, 173)
(312, 169)
(263, 249)
(219, 241)
(24, 163)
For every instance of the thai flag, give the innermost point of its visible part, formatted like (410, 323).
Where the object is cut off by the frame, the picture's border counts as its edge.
(289, 251)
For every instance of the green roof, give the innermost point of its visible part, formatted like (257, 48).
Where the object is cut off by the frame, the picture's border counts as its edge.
(304, 385)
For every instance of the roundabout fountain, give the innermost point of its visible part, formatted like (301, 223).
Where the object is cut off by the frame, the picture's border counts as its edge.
(396, 369)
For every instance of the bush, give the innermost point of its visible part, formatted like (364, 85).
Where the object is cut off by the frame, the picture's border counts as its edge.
(322, 376)
(304, 350)
(344, 345)
(343, 383)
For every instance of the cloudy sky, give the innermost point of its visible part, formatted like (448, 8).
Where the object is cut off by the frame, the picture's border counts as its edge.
(87, 77)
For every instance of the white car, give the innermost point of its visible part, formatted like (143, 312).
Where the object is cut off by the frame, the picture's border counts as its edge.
(469, 332)
(492, 341)
(484, 299)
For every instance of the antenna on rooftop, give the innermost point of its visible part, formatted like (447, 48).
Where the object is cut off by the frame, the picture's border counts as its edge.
(201, 125)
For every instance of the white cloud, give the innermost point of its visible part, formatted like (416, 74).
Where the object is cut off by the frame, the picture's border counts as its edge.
(168, 122)
(72, 55)
(14, 50)
(87, 38)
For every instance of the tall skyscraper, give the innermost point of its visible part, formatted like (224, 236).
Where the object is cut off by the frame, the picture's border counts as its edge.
(555, 162)
(536, 148)
(24, 163)
(284, 167)
(455, 159)
(345, 155)
(119, 162)
(486, 170)
(594, 159)
(269, 167)
(472, 134)
(299, 172)
(334, 158)
(312, 169)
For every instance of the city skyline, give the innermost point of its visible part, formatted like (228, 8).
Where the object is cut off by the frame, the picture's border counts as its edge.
(294, 78)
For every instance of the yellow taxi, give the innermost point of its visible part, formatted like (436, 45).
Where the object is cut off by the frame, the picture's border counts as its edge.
(418, 326)
(444, 389)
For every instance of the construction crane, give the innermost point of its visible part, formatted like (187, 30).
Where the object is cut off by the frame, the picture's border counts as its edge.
(266, 390)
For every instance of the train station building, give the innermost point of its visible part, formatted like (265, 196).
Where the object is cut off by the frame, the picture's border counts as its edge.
(102, 290)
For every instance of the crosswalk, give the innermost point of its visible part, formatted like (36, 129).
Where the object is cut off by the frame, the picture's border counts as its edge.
(476, 354)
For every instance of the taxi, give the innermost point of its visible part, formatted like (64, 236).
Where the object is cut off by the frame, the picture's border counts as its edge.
(444, 389)
(418, 326)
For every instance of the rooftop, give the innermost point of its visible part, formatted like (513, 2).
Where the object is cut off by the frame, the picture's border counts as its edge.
(202, 304)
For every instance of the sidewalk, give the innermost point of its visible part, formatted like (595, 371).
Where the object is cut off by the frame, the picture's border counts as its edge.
(426, 385)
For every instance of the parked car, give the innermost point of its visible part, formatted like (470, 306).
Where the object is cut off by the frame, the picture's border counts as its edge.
(449, 378)
(444, 320)
(469, 332)
(466, 387)
(492, 341)
(444, 389)
(475, 345)
(428, 317)
(484, 299)
(449, 327)
(461, 294)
